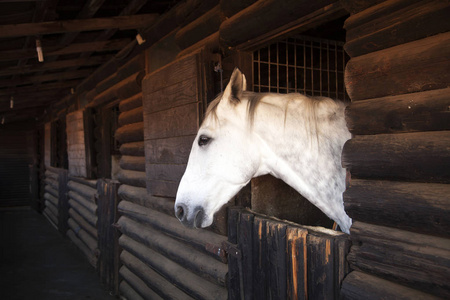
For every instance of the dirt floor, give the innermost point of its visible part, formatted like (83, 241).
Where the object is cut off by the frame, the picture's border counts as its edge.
(37, 262)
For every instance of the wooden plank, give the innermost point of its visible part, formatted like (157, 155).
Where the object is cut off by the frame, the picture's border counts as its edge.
(359, 285)
(120, 22)
(165, 172)
(130, 133)
(131, 116)
(173, 73)
(417, 207)
(140, 196)
(260, 261)
(391, 71)
(169, 150)
(177, 121)
(407, 156)
(200, 264)
(389, 24)
(133, 149)
(131, 103)
(422, 111)
(162, 188)
(276, 245)
(133, 163)
(134, 178)
(177, 94)
(82, 223)
(419, 261)
(139, 287)
(82, 211)
(297, 287)
(87, 192)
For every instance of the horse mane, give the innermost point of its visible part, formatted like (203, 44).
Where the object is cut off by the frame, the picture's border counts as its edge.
(311, 106)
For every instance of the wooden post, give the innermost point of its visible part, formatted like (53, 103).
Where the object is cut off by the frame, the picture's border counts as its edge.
(108, 264)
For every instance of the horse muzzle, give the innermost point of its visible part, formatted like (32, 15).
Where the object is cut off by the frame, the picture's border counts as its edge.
(192, 219)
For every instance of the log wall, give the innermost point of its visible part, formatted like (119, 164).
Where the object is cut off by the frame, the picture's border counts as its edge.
(83, 216)
(398, 79)
(76, 146)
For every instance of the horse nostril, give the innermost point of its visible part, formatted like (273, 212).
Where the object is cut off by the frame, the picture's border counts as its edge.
(199, 217)
(180, 212)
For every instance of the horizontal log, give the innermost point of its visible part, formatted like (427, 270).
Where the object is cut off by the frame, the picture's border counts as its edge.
(51, 191)
(151, 278)
(231, 7)
(88, 204)
(83, 224)
(140, 196)
(131, 103)
(130, 133)
(88, 240)
(356, 6)
(263, 16)
(421, 156)
(389, 24)
(408, 68)
(50, 217)
(199, 29)
(132, 66)
(422, 111)
(134, 178)
(192, 260)
(118, 22)
(52, 208)
(51, 198)
(162, 188)
(89, 255)
(419, 261)
(358, 285)
(131, 116)
(88, 182)
(86, 191)
(133, 163)
(135, 288)
(130, 86)
(86, 214)
(133, 149)
(51, 174)
(417, 207)
(192, 284)
(197, 238)
(210, 44)
(37, 79)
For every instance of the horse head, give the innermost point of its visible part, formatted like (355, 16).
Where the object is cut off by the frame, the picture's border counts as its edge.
(222, 160)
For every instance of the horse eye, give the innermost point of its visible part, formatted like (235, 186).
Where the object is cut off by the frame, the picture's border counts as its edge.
(203, 140)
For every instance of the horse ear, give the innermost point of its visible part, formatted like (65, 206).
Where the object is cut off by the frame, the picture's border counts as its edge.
(235, 88)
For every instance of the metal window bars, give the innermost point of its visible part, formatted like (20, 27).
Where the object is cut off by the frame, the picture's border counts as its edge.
(301, 64)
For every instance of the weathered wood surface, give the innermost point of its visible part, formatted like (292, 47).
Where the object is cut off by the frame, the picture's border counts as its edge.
(84, 181)
(133, 163)
(89, 255)
(199, 29)
(392, 23)
(88, 204)
(200, 264)
(53, 209)
(131, 103)
(130, 133)
(191, 283)
(140, 196)
(417, 207)
(358, 285)
(131, 116)
(82, 211)
(133, 149)
(87, 239)
(134, 178)
(52, 199)
(171, 226)
(356, 6)
(416, 260)
(210, 44)
(408, 68)
(174, 150)
(130, 86)
(421, 156)
(132, 287)
(51, 182)
(151, 278)
(231, 7)
(83, 223)
(76, 148)
(85, 191)
(47, 144)
(51, 191)
(51, 217)
(263, 16)
(63, 201)
(422, 111)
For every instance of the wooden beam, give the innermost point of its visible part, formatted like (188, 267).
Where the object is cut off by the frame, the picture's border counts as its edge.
(62, 64)
(96, 46)
(41, 87)
(120, 22)
(46, 77)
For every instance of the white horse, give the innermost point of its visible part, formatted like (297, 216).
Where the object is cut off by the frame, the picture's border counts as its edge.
(295, 138)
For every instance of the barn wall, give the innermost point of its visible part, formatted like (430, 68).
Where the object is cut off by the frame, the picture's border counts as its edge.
(398, 81)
